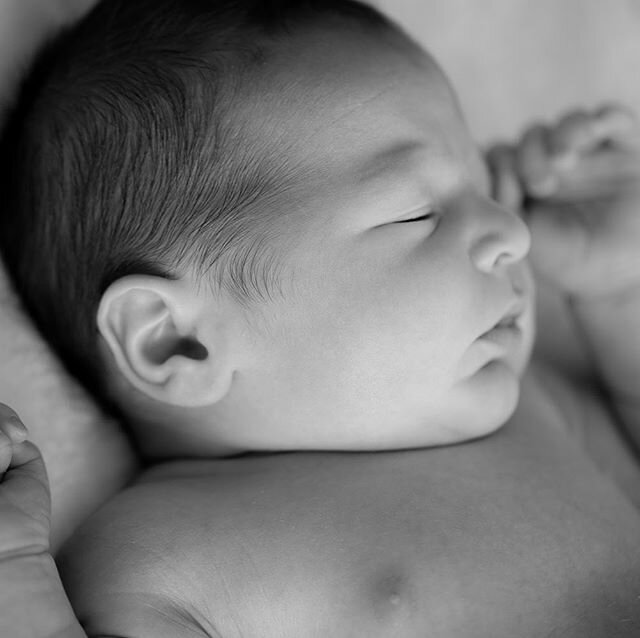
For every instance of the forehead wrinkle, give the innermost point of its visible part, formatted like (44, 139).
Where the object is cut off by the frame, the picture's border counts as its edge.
(354, 106)
(320, 102)
(399, 153)
(316, 125)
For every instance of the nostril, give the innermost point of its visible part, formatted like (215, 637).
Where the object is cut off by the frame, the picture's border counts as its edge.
(501, 236)
(500, 248)
(503, 259)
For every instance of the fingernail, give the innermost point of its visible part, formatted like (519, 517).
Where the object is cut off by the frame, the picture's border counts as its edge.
(15, 429)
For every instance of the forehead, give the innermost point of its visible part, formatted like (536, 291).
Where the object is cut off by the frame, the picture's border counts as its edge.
(340, 103)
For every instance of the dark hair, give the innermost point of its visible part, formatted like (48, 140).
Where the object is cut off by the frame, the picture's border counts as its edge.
(121, 157)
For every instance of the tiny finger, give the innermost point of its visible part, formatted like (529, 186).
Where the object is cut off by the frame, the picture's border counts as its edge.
(26, 482)
(11, 425)
(573, 134)
(616, 123)
(28, 458)
(505, 185)
(5, 451)
(533, 160)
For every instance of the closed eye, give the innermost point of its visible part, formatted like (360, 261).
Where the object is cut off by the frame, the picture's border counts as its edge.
(419, 218)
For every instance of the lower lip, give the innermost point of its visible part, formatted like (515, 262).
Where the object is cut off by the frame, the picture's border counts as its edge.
(498, 344)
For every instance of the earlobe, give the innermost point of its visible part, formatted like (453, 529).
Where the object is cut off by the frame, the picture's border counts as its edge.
(154, 329)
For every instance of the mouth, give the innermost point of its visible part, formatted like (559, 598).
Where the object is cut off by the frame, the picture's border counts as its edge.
(508, 321)
(508, 329)
(512, 316)
(502, 342)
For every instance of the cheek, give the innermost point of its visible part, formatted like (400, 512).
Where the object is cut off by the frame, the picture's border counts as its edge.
(379, 329)
(407, 331)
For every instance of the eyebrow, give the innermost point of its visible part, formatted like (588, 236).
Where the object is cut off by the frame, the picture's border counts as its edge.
(395, 158)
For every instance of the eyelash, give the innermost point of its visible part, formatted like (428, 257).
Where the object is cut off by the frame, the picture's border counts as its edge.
(420, 218)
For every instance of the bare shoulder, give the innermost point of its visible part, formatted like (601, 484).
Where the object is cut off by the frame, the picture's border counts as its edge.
(242, 547)
(126, 572)
(249, 547)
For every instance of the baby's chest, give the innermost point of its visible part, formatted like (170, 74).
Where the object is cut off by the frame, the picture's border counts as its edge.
(503, 537)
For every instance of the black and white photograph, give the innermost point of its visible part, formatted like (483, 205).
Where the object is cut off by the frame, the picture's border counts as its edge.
(319, 319)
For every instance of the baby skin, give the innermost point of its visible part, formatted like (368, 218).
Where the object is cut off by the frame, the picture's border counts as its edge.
(427, 475)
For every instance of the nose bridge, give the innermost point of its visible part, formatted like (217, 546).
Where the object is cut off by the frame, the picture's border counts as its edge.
(501, 236)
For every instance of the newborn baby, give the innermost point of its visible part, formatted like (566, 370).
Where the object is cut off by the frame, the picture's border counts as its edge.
(264, 232)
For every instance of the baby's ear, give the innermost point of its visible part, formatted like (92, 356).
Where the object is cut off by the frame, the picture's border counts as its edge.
(164, 340)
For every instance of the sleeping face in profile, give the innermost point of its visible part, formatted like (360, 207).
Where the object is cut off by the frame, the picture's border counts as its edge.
(285, 234)
(399, 311)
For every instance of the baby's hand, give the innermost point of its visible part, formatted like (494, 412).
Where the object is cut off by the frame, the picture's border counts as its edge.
(578, 182)
(24, 492)
(32, 599)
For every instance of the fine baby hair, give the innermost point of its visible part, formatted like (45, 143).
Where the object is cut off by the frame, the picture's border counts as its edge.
(123, 155)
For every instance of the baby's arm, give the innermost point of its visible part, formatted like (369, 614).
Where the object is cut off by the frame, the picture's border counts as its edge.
(582, 180)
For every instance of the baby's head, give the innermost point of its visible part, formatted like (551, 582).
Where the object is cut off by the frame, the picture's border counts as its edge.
(280, 221)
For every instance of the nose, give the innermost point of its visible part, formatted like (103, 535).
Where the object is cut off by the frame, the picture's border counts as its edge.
(501, 236)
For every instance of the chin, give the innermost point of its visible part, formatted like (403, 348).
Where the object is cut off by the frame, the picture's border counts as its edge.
(489, 398)
(501, 398)
(476, 419)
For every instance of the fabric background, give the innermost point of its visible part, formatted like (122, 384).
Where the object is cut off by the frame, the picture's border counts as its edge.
(515, 60)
